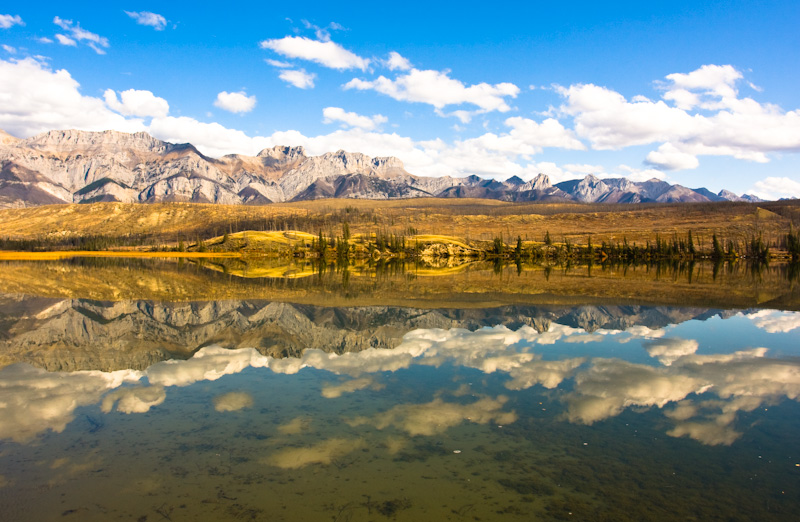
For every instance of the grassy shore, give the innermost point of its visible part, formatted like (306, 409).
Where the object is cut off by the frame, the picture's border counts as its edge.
(462, 226)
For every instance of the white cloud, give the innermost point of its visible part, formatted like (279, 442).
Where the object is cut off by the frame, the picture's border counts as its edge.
(137, 103)
(635, 174)
(278, 63)
(322, 33)
(7, 21)
(326, 53)
(238, 102)
(609, 121)
(397, 62)
(727, 126)
(715, 81)
(156, 21)
(78, 34)
(323, 452)
(44, 40)
(438, 416)
(35, 400)
(773, 188)
(774, 321)
(334, 391)
(9, 49)
(66, 40)
(669, 350)
(233, 401)
(212, 139)
(439, 90)
(35, 98)
(299, 78)
(352, 119)
(134, 400)
(669, 157)
(584, 168)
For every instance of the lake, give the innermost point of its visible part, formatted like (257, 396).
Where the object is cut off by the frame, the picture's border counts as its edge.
(154, 390)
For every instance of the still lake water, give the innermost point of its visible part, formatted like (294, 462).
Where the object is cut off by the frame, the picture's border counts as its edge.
(258, 409)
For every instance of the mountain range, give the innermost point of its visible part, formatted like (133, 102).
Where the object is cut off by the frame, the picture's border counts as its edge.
(70, 166)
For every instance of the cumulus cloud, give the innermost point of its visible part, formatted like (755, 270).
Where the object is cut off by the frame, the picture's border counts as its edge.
(38, 99)
(156, 21)
(333, 391)
(212, 139)
(352, 119)
(7, 21)
(298, 77)
(610, 122)
(610, 386)
(233, 401)
(742, 381)
(238, 102)
(66, 40)
(209, 364)
(36, 400)
(438, 416)
(34, 98)
(397, 62)
(701, 113)
(78, 34)
(773, 188)
(137, 103)
(134, 400)
(716, 83)
(669, 157)
(774, 321)
(324, 452)
(669, 350)
(436, 88)
(322, 33)
(295, 426)
(325, 53)
(278, 63)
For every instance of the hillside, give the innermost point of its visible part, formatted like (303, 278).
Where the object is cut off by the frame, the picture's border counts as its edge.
(472, 219)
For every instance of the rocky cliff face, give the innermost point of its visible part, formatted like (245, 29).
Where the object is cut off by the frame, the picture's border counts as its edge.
(68, 335)
(72, 166)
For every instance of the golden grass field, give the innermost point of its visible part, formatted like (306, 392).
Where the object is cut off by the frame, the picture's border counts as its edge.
(464, 220)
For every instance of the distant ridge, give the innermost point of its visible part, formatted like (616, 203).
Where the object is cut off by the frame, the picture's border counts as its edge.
(71, 166)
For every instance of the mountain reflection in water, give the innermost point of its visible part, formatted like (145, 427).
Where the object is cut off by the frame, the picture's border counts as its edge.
(273, 410)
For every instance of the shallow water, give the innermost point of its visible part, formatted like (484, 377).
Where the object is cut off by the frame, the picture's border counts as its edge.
(258, 410)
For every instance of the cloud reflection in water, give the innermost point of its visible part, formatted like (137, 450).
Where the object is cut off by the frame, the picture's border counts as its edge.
(700, 394)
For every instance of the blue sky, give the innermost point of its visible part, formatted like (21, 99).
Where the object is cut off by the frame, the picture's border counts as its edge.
(697, 93)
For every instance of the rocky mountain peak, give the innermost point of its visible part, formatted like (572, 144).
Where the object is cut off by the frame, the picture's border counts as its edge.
(730, 196)
(282, 154)
(387, 162)
(7, 139)
(541, 182)
(590, 189)
(86, 141)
